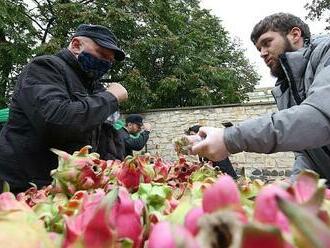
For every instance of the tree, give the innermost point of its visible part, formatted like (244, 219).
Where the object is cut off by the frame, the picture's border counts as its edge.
(17, 37)
(177, 53)
(319, 9)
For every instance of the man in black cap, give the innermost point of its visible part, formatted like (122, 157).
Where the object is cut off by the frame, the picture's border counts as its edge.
(59, 103)
(135, 134)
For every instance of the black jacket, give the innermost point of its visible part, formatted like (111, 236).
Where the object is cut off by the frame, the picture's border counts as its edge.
(133, 144)
(111, 146)
(55, 104)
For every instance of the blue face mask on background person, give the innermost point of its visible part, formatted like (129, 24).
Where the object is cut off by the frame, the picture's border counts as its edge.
(92, 65)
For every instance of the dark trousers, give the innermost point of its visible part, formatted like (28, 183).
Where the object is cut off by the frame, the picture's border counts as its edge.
(226, 167)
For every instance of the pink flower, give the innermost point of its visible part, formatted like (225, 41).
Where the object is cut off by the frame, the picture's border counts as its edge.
(221, 194)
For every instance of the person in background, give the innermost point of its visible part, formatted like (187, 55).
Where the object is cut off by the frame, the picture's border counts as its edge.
(301, 65)
(111, 146)
(58, 102)
(3, 117)
(224, 165)
(134, 126)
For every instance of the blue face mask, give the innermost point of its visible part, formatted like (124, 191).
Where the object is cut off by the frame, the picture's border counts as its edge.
(92, 65)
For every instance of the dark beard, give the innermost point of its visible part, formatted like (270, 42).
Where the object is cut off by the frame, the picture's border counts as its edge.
(278, 71)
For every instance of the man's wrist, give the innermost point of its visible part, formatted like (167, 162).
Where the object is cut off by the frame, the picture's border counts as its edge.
(229, 138)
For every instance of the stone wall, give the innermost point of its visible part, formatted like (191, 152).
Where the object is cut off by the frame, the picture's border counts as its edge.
(169, 124)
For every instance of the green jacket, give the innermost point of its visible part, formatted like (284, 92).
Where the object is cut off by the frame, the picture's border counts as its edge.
(4, 115)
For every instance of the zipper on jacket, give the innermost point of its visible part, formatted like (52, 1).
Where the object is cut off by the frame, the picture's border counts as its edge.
(292, 85)
(291, 82)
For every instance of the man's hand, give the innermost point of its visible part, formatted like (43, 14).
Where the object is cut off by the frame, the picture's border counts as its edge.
(118, 91)
(147, 126)
(211, 146)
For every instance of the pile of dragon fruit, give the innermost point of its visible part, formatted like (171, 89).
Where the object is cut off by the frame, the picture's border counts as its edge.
(145, 201)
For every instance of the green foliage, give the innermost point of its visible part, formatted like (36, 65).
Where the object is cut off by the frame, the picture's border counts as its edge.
(17, 37)
(177, 53)
(319, 9)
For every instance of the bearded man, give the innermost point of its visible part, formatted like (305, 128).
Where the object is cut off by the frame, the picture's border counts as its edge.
(302, 95)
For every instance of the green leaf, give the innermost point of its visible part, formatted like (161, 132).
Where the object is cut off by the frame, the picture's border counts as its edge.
(5, 187)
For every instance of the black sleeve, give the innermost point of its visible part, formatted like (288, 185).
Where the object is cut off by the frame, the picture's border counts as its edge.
(137, 144)
(45, 99)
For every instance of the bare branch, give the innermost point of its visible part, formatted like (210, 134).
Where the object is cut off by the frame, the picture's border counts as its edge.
(50, 6)
(86, 1)
(33, 20)
(50, 22)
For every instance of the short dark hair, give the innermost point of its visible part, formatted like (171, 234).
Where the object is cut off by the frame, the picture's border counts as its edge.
(280, 22)
(134, 118)
(194, 129)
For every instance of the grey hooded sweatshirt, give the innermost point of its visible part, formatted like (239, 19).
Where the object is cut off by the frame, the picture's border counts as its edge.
(302, 123)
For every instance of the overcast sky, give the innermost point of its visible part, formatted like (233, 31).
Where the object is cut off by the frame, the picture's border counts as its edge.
(240, 16)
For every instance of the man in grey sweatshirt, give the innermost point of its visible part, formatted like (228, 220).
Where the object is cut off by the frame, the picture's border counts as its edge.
(302, 95)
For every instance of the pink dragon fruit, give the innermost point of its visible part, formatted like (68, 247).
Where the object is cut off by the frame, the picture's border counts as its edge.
(309, 231)
(258, 235)
(181, 170)
(80, 171)
(105, 221)
(266, 210)
(162, 169)
(133, 171)
(327, 194)
(167, 235)
(223, 193)
(305, 186)
(191, 220)
(20, 227)
(8, 202)
(32, 196)
(125, 218)
(91, 220)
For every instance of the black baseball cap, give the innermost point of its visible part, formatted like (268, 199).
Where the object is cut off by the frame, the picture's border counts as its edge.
(101, 36)
(194, 128)
(135, 118)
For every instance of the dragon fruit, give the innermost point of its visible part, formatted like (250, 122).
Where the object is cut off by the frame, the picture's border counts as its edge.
(259, 235)
(182, 170)
(80, 171)
(135, 170)
(125, 218)
(266, 210)
(105, 221)
(308, 230)
(161, 169)
(221, 194)
(219, 229)
(32, 196)
(191, 220)
(18, 219)
(168, 235)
